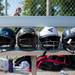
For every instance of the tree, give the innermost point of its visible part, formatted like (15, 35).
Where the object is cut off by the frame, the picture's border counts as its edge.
(62, 7)
(68, 7)
(27, 7)
(34, 7)
(1, 8)
(57, 7)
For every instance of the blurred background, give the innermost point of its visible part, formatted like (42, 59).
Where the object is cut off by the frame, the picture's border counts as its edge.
(38, 7)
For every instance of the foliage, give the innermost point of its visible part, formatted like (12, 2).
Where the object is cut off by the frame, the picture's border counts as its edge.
(34, 7)
(63, 7)
(1, 8)
(57, 7)
(68, 7)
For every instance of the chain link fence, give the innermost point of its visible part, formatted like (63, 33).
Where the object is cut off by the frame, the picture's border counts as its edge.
(49, 7)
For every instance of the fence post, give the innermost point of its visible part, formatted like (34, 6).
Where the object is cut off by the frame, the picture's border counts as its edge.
(6, 7)
(47, 7)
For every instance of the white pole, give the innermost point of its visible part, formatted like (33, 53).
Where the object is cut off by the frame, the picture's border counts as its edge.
(47, 7)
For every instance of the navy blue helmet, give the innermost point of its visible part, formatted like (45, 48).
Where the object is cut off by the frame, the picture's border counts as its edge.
(68, 39)
(7, 37)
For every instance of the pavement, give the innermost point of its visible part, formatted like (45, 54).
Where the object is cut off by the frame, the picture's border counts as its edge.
(70, 72)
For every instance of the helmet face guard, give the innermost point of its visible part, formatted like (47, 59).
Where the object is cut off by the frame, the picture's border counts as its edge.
(50, 42)
(69, 44)
(7, 42)
(27, 40)
(4, 40)
(7, 38)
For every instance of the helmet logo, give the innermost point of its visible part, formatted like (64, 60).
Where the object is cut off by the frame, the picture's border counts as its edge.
(5, 33)
(51, 29)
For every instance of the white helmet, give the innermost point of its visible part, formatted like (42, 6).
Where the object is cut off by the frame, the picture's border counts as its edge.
(48, 31)
(49, 38)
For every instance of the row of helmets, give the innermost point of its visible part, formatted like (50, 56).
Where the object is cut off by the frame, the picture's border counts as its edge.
(48, 38)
